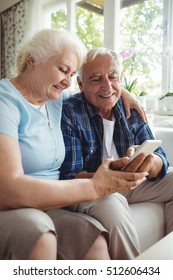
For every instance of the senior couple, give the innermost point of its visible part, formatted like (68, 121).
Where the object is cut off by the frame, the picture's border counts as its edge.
(86, 216)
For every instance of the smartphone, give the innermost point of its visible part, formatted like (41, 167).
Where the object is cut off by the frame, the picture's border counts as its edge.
(147, 148)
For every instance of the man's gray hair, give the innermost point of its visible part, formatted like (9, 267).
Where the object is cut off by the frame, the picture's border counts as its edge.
(91, 55)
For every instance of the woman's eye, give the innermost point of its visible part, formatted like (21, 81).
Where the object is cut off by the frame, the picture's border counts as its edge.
(63, 70)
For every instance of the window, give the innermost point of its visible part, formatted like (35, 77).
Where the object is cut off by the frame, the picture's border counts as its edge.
(59, 19)
(88, 20)
(55, 14)
(141, 41)
(90, 24)
(138, 28)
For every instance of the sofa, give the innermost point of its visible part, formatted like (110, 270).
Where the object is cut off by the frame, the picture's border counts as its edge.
(149, 217)
(149, 220)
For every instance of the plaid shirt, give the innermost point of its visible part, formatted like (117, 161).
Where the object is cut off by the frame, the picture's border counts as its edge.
(82, 129)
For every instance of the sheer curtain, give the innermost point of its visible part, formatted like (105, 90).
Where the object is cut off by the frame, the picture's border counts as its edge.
(18, 23)
(33, 13)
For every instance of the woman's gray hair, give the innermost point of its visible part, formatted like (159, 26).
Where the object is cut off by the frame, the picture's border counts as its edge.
(91, 55)
(47, 43)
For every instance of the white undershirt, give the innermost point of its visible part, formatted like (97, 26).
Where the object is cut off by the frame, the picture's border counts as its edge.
(40, 108)
(109, 148)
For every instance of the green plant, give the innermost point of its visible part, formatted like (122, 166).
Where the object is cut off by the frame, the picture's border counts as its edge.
(128, 63)
(132, 87)
(166, 95)
(143, 93)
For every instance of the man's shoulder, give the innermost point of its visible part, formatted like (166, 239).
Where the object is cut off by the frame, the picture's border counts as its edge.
(74, 100)
(134, 115)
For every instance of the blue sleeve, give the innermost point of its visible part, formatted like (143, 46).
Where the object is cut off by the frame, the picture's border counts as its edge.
(143, 132)
(9, 118)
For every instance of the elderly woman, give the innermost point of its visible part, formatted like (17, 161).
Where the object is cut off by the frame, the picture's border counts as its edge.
(32, 225)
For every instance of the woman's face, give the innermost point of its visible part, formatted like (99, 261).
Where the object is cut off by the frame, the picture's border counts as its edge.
(54, 75)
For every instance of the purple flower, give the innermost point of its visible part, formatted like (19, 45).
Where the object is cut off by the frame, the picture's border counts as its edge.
(127, 53)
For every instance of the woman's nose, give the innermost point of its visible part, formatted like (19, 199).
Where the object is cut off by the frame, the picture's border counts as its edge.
(67, 81)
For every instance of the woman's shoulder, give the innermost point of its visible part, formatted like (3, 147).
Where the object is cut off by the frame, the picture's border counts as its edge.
(4, 86)
(8, 90)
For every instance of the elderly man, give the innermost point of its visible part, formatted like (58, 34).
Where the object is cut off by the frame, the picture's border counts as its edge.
(95, 127)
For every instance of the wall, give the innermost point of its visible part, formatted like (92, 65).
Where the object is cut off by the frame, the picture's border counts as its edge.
(5, 4)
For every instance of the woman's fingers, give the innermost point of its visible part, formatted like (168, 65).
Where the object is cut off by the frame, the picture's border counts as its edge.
(107, 181)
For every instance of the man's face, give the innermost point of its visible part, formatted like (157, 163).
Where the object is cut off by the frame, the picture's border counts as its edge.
(101, 83)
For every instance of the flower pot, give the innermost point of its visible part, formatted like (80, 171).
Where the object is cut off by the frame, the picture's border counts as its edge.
(169, 103)
(142, 100)
(151, 103)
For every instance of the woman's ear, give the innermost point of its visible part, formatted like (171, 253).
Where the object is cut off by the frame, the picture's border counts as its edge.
(30, 62)
(79, 83)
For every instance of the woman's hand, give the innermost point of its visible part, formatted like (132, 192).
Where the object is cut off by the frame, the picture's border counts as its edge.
(130, 102)
(107, 181)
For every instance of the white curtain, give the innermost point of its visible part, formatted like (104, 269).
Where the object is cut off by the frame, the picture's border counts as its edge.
(33, 10)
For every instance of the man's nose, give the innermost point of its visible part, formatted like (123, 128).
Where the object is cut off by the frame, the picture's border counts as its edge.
(107, 84)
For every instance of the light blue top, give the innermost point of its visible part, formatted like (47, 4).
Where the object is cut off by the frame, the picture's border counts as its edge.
(40, 137)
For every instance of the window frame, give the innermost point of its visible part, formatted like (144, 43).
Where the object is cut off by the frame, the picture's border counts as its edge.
(167, 62)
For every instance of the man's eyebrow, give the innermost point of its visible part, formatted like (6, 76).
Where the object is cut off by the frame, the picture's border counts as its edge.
(94, 74)
(114, 71)
(97, 74)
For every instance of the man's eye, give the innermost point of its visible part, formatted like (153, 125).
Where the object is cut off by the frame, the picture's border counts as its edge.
(73, 74)
(113, 78)
(94, 81)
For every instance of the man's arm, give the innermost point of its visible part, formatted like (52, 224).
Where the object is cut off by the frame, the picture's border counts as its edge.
(157, 163)
(73, 162)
